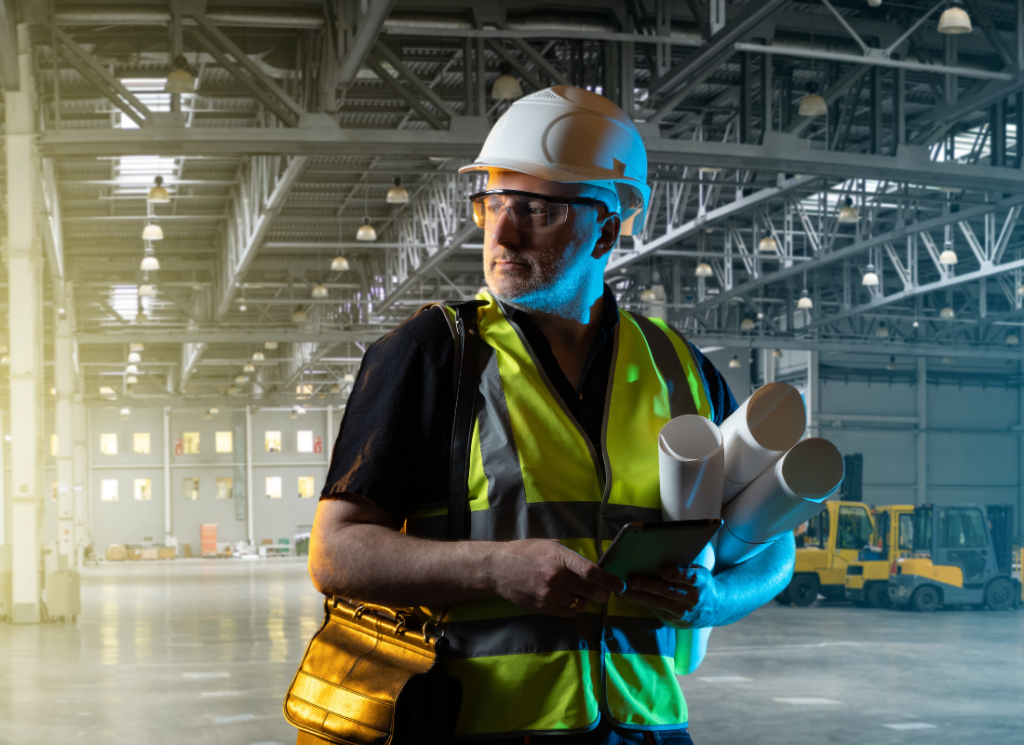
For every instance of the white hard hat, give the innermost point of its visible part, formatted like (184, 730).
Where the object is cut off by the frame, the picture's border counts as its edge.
(572, 135)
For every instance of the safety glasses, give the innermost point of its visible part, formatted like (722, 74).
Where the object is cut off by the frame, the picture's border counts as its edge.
(527, 211)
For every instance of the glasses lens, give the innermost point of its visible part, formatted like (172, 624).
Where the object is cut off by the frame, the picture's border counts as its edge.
(526, 212)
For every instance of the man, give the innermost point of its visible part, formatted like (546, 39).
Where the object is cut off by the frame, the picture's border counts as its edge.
(571, 397)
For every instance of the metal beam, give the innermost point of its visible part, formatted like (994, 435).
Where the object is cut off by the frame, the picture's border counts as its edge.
(388, 79)
(748, 202)
(721, 43)
(8, 48)
(850, 346)
(413, 79)
(255, 230)
(857, 248)
(370, 26)
(226, 335)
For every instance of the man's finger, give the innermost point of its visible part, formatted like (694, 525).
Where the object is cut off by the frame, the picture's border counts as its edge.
(593, 573)
(659, 587)
(585, 590)
(695, 575)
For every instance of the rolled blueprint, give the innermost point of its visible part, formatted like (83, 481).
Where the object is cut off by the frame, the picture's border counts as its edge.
(757, 434)
(691, 465)
(791, 492)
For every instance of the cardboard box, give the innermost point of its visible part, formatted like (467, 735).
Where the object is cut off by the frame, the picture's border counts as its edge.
(150, 554)
(116, 553)
(134, 554)
(167, 552)
(268, 541)
(186, 551)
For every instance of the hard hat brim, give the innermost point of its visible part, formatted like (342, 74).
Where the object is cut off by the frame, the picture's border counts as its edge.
(551, 173)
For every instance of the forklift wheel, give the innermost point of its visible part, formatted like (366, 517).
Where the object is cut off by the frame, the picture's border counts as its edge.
(783, 597)
(878, 595)
(803, 590)
(925, 599)
(999, 594)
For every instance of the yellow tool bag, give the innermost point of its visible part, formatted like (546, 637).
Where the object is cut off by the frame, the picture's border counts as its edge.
(373, 675)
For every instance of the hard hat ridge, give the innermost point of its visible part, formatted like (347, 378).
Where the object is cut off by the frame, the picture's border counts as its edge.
(572, 135)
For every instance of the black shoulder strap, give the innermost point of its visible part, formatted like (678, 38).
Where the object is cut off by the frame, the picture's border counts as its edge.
(467, 346)
(671, 369)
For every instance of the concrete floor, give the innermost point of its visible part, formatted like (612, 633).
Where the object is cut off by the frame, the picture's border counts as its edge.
(201, 652)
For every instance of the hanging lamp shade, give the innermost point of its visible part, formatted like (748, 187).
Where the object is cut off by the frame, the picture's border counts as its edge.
(319, 291)
(214, 410)
(648, 296)
(805, 302)
(134, 358)
(882, 332)
(1012, 340)
(812, 104)
(747, 324)
(299, 316)
(874, 3)
(948, 255)
(141, 317)
(506, 87)
(179, 79)
(258, 356)
(152, 232)
(777, 354)
(767, 244)
(158, 193)
(270, 345)
(207, 416)
(231, 391)
(249, 368)
(241, 380)
(946, 313)
(339, 264)
(131, 370)
(703, 270)
(147, 291)
(349, 378)
(131, 380)
(366, 231)
(150, 264)
(397, 194)
(137, 346)
(870, 278)
(709, 169)
(125, 412)
(892, 364)
(243, 307)
(335, 388)
(734, 362)
(848, 214)
(954, 20)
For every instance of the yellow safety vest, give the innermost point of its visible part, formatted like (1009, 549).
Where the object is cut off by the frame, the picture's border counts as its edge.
(534, 474)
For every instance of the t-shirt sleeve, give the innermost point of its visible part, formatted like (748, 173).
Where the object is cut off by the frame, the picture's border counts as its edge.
(722, 400)
(394, 440)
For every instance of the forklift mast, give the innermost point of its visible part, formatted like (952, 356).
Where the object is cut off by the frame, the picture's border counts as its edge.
(1000, 525)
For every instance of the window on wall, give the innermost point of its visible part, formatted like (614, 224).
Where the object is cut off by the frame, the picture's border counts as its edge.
(307, 486)
(273, 441)
(190, 441)
(273, 487)
(143, 490)
(224, 485)
(305, 441)
(225, 442)
(191, 489)
(54, 444)
(140, 443)
(108, 443)
(108, 490)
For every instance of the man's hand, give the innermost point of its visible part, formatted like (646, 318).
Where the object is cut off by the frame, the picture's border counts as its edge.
(544, 576)
(682, 598)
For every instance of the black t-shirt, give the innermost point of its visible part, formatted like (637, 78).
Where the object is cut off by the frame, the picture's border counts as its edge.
(395, 438)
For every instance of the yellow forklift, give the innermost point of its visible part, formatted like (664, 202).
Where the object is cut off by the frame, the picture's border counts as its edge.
(834, 537)
(961, 556)
(867, 579)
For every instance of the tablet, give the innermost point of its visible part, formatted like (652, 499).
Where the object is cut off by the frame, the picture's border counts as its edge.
(644, 549)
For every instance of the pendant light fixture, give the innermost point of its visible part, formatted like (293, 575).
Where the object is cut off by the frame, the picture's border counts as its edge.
(848, 214)
(747, 324)
(767, 244)
(241, 380)
(709, 169)
(882, 332)
(349, 378)
(397, 194)
(249, 368)
(892, 363)
(158, 193)
(147, 290)
(874, 3)
(131, 370)
(734, 363)
(335, 388)
(366, 231)
(954, 20)
(179, 79)
(299, 316)
(134, 358)
(150, 263)
(258, 356)
(805, 302)
(870, 278)
(270, 345)
(777, 354)
(947, 313)
(125, 413)
(141, 317)
(648, 296)
(812, 104)
(231, 390)
(1012, 340)
(948, 255)
(339, 264)
(318, 292)
(214, 410)
(703, 270)
(506, 87)
(152, 232)
(131, 380)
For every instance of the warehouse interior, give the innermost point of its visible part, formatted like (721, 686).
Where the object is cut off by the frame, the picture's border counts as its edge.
(210, 209)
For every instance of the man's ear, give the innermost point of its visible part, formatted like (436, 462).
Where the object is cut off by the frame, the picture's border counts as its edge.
(609, 225)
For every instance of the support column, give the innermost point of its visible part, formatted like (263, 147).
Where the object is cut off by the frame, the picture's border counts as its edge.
(3, 484)
(80, 468)
(64, 374)
(922, 430)
(168, 525)
(811, 394)
(250, 516)
(769, 366)
(24, 262)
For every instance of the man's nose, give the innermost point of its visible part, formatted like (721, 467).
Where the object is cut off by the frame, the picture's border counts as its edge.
(505, 232)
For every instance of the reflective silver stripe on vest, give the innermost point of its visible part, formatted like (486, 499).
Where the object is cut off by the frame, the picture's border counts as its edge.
(542, 634)
(680, 398)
